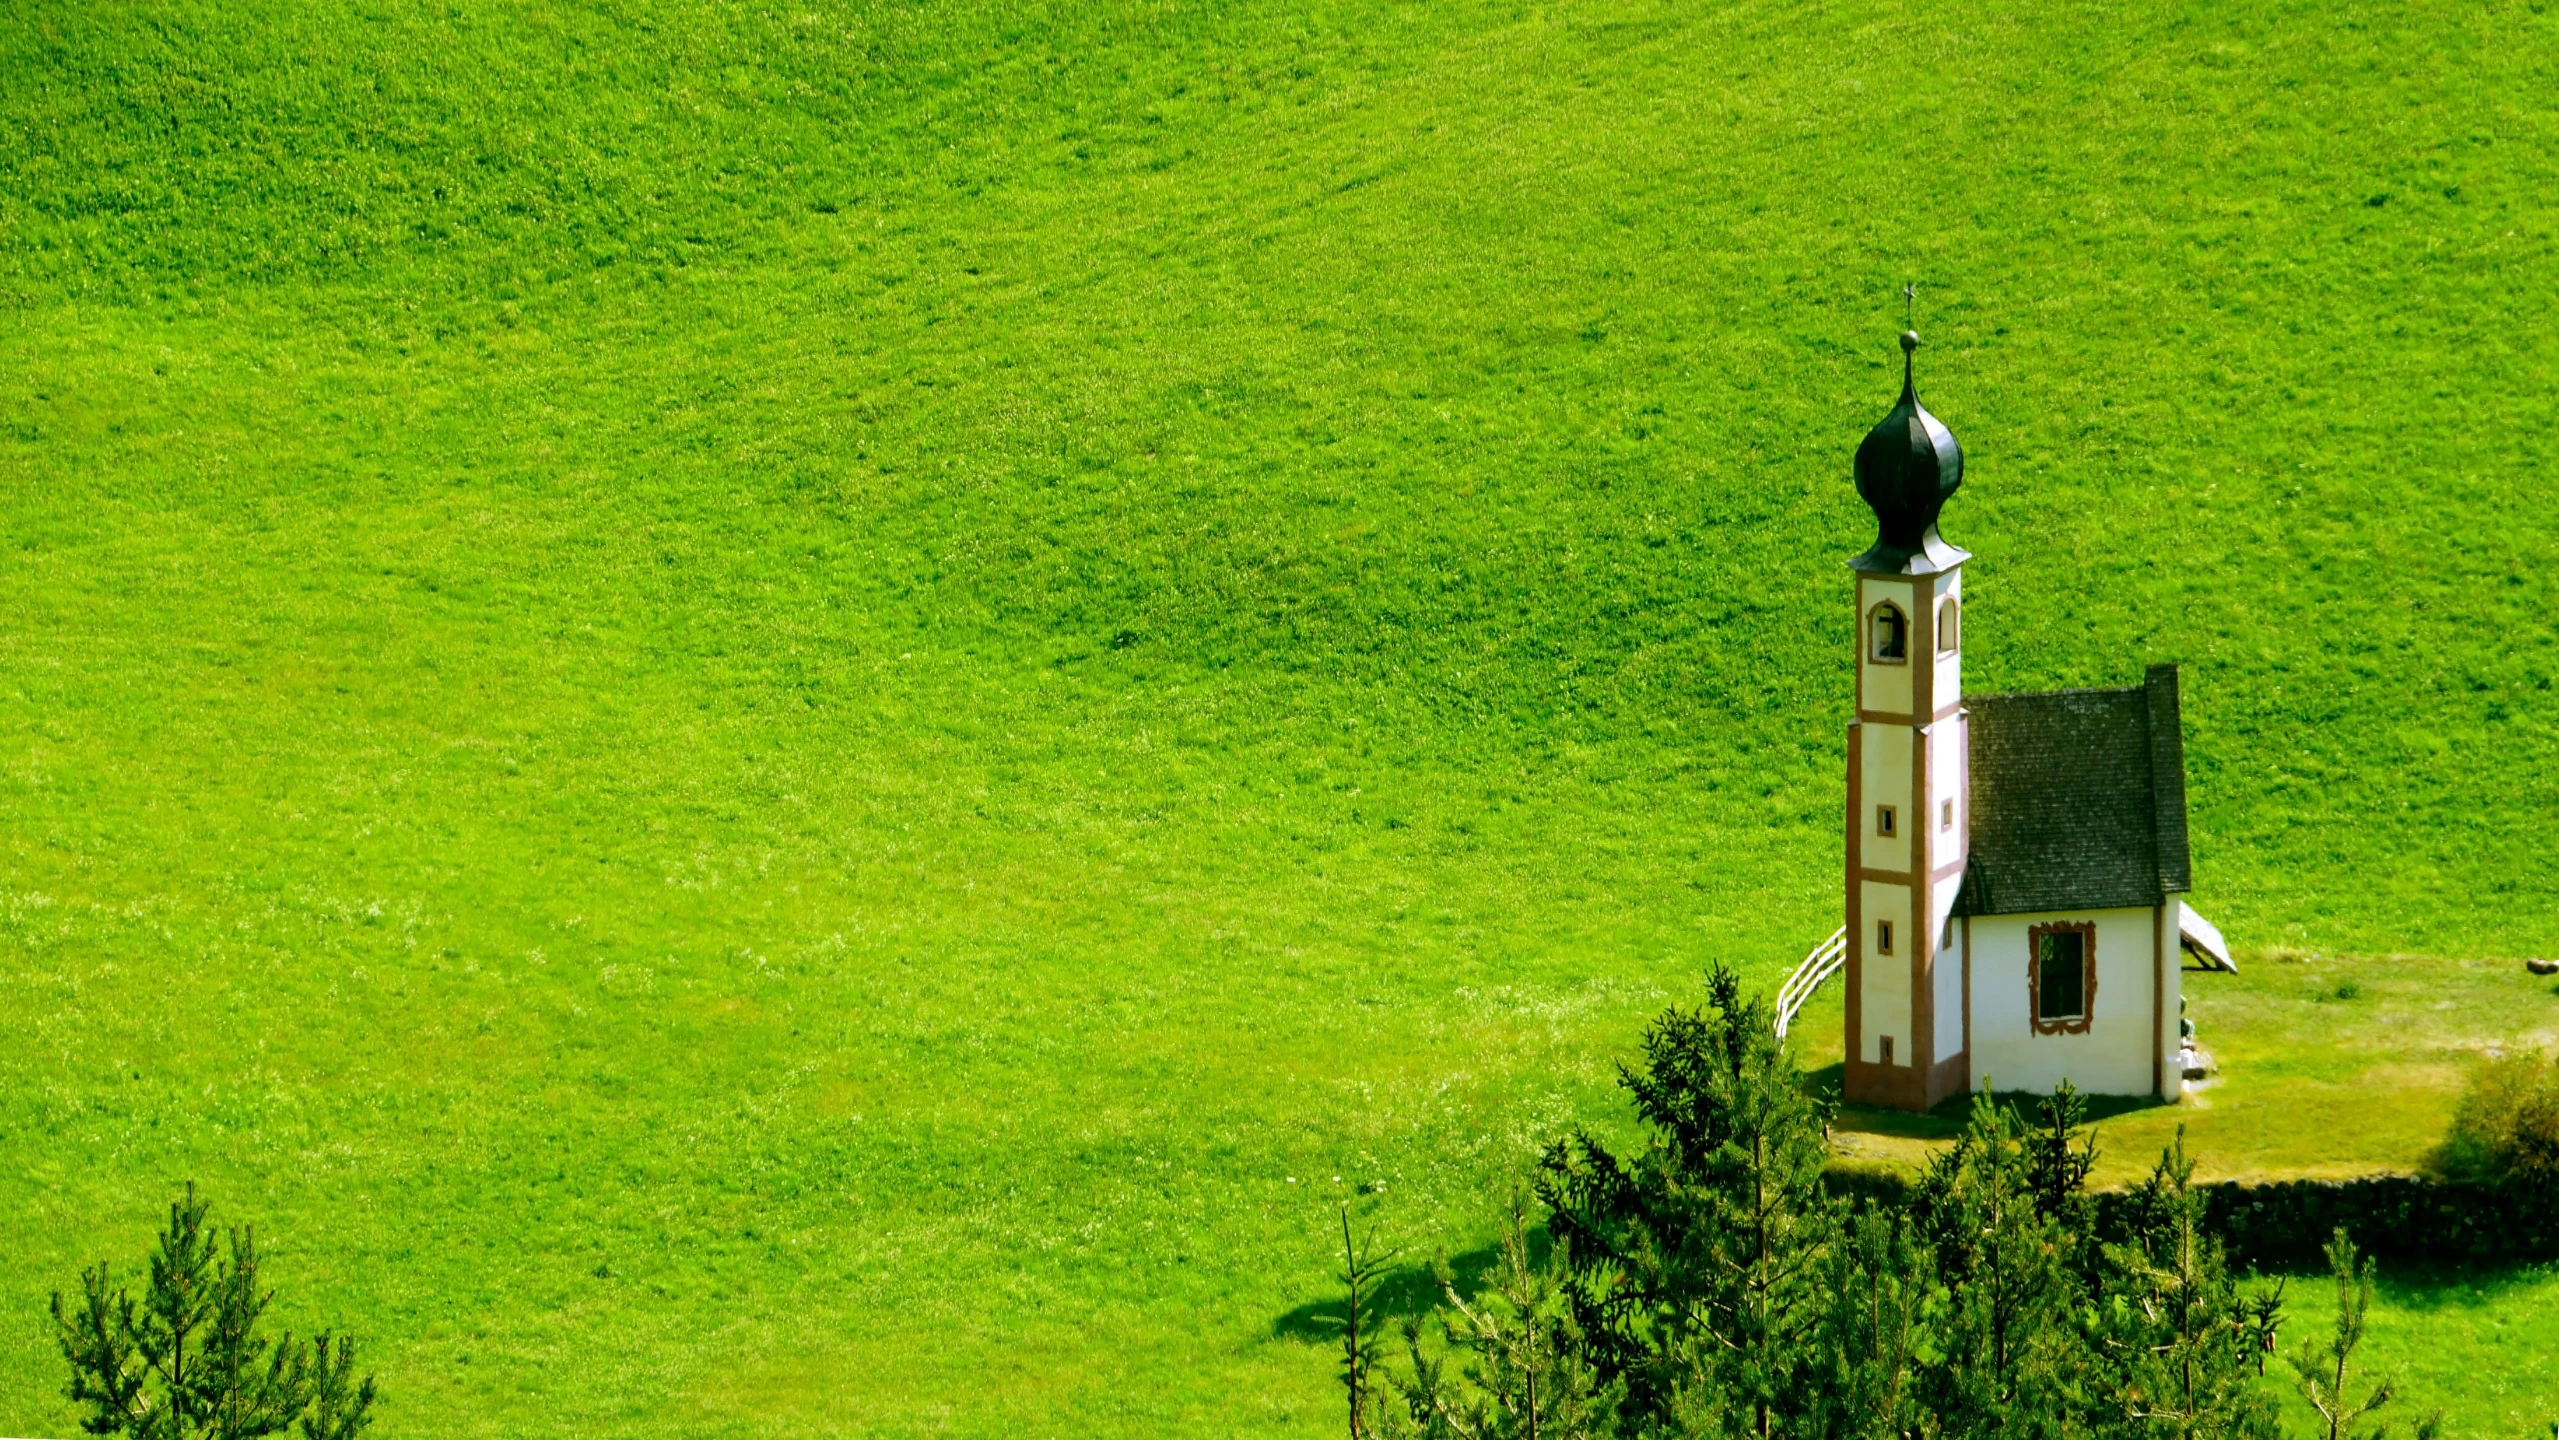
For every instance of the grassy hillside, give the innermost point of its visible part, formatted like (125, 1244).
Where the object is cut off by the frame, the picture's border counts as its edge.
(788, 720)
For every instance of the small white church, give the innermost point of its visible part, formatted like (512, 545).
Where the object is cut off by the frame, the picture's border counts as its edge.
(2016, 863)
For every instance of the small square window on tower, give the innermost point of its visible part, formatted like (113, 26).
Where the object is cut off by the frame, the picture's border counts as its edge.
(1884, 1048)
(1883, 937)
(1885, 820)
(1946, 815)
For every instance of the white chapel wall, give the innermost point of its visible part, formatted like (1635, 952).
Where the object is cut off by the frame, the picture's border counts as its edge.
(2115, 1056)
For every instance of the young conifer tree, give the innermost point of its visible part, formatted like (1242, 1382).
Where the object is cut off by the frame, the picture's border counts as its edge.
(2179, 1339)
(2016, 1359)
(1701, 1261)
(190, 1361)
(1363, 1337)
(2266, 1318)
(1877, 1332)
(1511, 1362)
(2327, 1372)
(2060, 1152)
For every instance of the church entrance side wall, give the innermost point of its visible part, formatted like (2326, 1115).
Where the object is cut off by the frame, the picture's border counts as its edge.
(2119, 1053)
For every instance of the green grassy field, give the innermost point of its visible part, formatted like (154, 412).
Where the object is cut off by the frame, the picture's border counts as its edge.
(2476, 1345)
(789, 720)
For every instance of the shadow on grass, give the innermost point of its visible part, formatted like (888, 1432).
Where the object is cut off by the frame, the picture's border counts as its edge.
(2426, 1286)
(1947, 1120)
(1404, 1292)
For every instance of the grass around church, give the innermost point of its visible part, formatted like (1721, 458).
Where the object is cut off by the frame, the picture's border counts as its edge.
(788, 721)
(2325, 1065)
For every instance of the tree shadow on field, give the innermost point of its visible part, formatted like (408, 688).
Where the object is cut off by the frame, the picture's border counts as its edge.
(2429, 1287)
(1401, 1293)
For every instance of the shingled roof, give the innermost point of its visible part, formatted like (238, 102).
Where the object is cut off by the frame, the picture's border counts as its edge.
(2078, 800)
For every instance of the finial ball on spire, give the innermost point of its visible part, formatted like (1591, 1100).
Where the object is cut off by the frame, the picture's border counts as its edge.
(1909, 341)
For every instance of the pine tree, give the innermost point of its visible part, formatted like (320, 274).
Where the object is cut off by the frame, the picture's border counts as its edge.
(1876, 1333)
(189, 1362)
(341, 1405)
(1362, 1340)
(2016, 1359)
(2265, 1318)
(1700, 1262)
(2326, 1372)
(2059, 1154)
(2181, 1340)
(1519, 1371)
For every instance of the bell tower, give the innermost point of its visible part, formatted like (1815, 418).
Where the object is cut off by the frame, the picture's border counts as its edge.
(1907, 771)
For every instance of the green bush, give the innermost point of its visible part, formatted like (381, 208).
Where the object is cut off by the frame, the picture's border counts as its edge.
(2508, 1125)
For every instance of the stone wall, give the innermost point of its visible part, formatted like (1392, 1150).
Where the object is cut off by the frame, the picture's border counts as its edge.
(2285, 1224)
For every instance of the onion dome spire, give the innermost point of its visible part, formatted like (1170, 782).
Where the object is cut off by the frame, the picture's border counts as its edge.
(1907, 468)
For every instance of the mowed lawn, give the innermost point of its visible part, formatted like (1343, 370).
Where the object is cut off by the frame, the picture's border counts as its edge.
(803, 720)
(2322, 1065)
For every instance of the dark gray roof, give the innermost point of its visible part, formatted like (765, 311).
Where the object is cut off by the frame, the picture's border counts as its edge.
(2079, 800)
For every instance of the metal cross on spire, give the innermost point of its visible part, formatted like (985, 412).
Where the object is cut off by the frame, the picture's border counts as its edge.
(1909, 336)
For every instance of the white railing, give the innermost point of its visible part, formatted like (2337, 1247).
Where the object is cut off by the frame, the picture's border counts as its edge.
(1823, 963)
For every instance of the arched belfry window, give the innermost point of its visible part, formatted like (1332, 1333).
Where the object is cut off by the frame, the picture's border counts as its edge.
(1946, 626)
(1892, 634)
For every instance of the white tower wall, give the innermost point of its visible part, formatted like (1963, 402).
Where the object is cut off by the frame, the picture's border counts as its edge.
(1907, 756)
